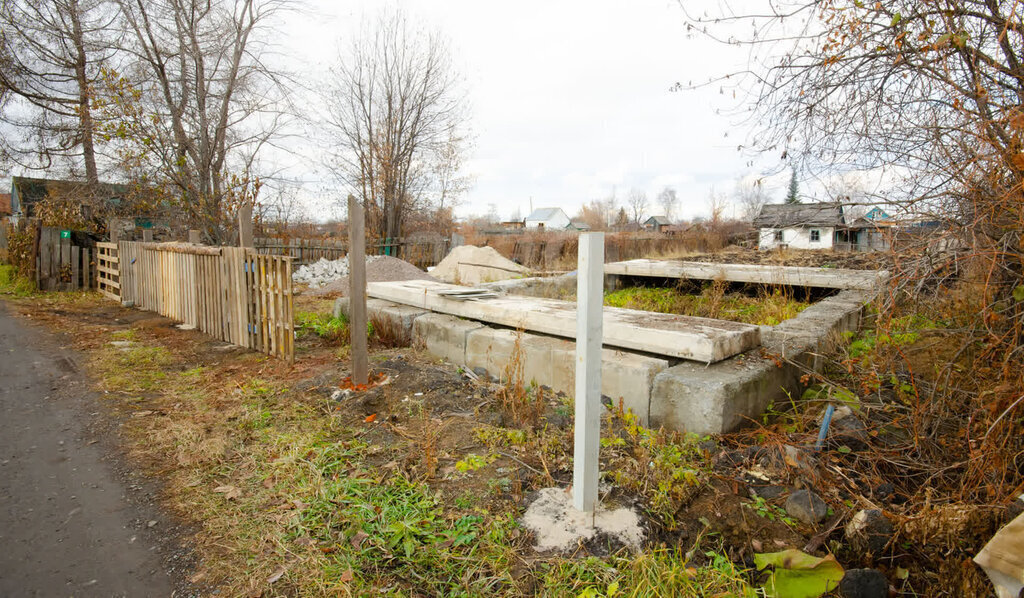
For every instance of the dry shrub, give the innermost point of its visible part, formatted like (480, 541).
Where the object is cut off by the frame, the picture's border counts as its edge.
(516, 401)
(21, 250)
(387, 332)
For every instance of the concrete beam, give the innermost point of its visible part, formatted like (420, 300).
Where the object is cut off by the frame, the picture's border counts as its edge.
(444, 336)
(698, 339)
(829, 278)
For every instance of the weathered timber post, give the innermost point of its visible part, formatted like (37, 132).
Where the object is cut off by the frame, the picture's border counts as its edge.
(357, 290)
(194, 237)
(147, 235)
(589, 316)
(245, 225)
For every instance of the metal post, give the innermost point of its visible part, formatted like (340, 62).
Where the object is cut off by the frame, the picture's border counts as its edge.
(357, 290)
(589, 316)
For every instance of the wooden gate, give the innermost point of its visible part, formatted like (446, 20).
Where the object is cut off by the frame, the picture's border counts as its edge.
(60, 264)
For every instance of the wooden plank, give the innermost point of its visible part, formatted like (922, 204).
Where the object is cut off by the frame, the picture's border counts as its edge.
(686, 337)
(76, 262)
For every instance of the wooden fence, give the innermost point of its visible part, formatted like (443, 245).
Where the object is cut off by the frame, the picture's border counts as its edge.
(62, 265)
(421, 253)
(230, 293)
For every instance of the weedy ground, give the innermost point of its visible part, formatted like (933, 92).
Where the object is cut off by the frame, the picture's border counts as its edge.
(411, 488)
(414, 487)
(713, 300)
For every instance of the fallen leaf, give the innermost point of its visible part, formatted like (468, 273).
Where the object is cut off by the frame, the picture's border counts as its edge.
(346, 576)
(276, 575)
(299, 504)
(229, 492)
(304, 541)
(268, 483)
(370, 418)
(357, 539)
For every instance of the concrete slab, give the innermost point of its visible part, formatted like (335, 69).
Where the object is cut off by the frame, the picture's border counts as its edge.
(830, 278)
(698, 339)
(552, 362)
(444, 336)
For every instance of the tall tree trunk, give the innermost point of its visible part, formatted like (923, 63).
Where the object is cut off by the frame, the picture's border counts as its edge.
(85, 120)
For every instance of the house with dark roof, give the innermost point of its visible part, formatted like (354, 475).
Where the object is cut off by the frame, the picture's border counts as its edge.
(547, 219)
(817, 226)
(26, 192)
(801, 226)
(657, 223)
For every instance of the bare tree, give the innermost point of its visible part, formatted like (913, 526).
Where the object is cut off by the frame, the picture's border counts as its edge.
(197, 101)
(669, 201)
(751, 197)
(637, 204)
(394, 114)
(717, 203)
(594, 214)
(50, 59)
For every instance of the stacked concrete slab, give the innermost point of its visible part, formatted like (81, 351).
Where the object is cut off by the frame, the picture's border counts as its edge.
(682, 395)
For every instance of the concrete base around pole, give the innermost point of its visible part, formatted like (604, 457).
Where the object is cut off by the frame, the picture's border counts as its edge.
(558, 527)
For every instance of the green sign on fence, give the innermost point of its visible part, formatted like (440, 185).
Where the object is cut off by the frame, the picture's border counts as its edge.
(65, 234)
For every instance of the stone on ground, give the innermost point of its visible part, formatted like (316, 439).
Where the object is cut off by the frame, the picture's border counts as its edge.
(869, 531)
(471, 265)
(864, 583)
(806, 507)
(558, 526)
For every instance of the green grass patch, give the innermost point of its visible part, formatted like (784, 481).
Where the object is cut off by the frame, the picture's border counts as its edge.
(768, 308)
(322, 325)
(13, 285)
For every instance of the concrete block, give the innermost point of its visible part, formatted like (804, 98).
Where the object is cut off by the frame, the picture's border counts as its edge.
(624, 375)
(444, 336)
(491, 349)
(721, 397)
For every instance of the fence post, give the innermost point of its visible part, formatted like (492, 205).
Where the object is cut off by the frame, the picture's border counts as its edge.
(245, 225)
(589, 315)
(195, 237)
(357, 290)
(147, 235)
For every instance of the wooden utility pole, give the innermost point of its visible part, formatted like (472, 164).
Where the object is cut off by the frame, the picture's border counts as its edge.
(245, 225)
(357, 290)
(589, 320)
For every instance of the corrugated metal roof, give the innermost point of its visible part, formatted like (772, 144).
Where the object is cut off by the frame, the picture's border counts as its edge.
(782, 215)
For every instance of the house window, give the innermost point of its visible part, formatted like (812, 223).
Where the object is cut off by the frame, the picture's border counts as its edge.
(815, 235)
(778, 236)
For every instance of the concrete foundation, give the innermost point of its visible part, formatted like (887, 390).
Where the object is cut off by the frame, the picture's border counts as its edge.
(682, 395)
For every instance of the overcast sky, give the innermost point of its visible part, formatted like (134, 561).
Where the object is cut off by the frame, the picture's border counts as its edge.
(570, 100)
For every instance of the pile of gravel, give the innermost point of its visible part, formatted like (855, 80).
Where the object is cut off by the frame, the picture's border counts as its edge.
(322, 272)
(379, 268)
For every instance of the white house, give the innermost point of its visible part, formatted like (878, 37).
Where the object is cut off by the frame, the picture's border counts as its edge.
(801, 226)
(547, 219)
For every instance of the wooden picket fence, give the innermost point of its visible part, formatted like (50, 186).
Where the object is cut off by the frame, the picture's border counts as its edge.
(230, 293)
(421, 253)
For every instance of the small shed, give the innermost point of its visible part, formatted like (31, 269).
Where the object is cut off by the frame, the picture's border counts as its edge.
(547, 219)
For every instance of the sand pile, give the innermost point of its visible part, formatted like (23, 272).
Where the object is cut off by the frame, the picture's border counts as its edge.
(472, 265)
(379, 268)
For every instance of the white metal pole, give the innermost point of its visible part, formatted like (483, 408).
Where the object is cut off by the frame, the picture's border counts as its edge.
(589, 315)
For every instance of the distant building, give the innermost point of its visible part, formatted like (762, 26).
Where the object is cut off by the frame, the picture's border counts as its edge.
(818, 226)
(657, 223)
(579, 225)
(547, 219)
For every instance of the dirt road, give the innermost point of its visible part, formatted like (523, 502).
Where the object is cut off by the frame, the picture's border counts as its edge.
(73, 521)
